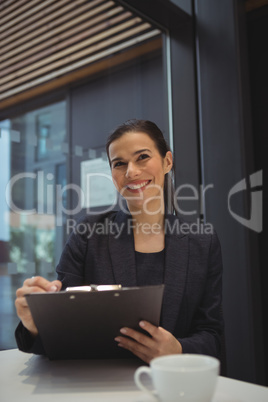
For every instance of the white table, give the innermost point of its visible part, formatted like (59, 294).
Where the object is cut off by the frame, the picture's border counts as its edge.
(25, 377)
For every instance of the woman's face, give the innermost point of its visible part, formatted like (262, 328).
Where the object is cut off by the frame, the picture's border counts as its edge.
(138, 170)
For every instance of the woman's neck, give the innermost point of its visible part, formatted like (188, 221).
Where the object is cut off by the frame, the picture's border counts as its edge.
(151, 223)
(149, 233)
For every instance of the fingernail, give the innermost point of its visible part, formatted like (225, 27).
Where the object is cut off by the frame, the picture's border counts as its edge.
(123, 330)
(53, 288)
(117, 339)
(142, 324)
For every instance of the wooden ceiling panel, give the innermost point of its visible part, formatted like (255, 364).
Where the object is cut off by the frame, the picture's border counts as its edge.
(41, 41)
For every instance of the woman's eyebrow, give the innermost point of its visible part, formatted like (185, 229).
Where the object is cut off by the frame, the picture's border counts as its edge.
(141, 150)
(134, 153)
(116, 159)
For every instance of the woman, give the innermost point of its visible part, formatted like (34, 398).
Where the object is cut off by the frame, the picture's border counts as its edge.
(144, 246)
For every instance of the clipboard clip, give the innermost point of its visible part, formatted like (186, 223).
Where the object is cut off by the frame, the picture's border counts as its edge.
(93, 288)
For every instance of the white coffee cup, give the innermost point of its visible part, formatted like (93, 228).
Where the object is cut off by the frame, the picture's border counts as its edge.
(185, 377)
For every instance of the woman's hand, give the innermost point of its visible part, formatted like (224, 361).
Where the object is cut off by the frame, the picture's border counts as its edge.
(32, 285)
(146, 348)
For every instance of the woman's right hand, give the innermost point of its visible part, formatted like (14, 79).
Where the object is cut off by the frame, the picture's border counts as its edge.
(32, 285)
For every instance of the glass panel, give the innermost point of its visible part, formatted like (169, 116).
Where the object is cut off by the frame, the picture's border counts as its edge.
(33, 163)
(135, 89)
(38, 206)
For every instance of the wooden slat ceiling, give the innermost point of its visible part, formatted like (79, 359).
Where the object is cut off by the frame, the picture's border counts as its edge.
(41, 41)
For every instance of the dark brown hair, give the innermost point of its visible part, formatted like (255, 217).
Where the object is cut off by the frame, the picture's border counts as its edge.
(151, 129)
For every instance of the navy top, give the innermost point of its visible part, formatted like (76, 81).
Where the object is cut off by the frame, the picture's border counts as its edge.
(150, 268)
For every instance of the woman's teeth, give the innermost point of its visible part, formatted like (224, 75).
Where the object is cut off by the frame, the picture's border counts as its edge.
(136, 186)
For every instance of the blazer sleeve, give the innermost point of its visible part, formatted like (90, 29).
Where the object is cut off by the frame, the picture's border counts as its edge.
(71, 267)
(70, 272)
(26, 343)
(206, 327)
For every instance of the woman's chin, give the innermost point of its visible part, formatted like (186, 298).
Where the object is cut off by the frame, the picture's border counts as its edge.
(148, 202)
(145, 208)
(136, 207)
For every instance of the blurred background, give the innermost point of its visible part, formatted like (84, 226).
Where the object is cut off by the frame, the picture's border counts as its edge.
(71, 71)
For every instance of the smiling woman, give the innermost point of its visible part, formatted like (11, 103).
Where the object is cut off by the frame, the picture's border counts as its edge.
(139, 167)
(139, 170)
(139, 154)
(143, 251)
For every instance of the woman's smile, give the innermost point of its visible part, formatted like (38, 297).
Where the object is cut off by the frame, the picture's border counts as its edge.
(137, 186)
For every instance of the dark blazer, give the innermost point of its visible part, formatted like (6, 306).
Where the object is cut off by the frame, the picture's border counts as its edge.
(101, 251)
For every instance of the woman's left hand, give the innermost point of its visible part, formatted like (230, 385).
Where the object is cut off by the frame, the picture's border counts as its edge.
(146, 348)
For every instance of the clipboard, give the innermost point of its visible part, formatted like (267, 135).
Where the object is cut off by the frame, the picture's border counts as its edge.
(82, 323)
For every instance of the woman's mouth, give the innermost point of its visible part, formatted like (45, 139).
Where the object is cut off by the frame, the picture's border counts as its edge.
(136, 187)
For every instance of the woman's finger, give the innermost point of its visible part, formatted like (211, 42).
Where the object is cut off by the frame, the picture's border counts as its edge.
(32, 285)
(131, 345)
(21, 292)
(150, 328)
(142, 352)
(141, 355)
(38, 284)
(137, 336)
(43, 283)
(21, 301)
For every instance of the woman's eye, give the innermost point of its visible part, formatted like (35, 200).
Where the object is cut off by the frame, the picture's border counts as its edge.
(143, 156)
(117, 164)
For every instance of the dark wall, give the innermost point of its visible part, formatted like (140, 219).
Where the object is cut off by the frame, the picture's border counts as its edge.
(185, 126)
(227, 155)
(184, 5)
(97, 107)
(257, 34)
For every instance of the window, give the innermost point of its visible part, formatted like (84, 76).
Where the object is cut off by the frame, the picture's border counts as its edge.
(117, 72)
(32, 163)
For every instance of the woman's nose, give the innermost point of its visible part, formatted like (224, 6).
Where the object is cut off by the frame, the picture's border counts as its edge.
(132, 171)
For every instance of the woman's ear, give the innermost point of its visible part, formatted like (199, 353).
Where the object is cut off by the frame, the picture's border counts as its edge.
(168, 162)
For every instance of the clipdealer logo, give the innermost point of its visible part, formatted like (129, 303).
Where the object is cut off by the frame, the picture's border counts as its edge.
(256, 205)
(50, 198)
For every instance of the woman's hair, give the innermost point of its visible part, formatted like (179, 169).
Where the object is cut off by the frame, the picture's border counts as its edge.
(151, 129)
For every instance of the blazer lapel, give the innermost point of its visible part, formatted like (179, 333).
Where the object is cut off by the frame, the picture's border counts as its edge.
(176, 262)
(122, 252)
